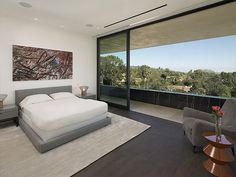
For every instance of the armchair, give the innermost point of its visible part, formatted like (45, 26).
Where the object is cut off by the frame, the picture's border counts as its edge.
(196, 122)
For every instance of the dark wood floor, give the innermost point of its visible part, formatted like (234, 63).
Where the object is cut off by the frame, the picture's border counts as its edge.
(161, 151)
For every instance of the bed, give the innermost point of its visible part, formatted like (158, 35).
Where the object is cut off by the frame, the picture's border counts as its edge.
(54, 123)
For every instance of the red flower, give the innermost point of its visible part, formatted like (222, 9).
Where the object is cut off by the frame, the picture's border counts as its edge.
(221, 113)
(217, 112)
(215, 108)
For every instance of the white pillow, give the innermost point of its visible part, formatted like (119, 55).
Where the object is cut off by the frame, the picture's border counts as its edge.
(32, 99)
(61, 95)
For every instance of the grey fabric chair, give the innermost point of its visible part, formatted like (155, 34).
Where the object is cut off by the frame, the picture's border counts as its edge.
(196, 122)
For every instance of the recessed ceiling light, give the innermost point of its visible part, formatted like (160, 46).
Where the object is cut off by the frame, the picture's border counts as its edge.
(89, 25)
(36, 19)
(61, 26)
(25, 4)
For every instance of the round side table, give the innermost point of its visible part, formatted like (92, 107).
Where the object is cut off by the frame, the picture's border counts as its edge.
(220, 155)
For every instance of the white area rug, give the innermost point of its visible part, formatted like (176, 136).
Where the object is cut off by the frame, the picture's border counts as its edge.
(18, 157)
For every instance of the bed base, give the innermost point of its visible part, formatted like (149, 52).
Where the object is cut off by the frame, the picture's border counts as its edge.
(42, 146)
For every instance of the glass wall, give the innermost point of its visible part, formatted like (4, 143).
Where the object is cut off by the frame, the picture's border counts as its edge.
(203, 67)
(113, 87)
(194, 54)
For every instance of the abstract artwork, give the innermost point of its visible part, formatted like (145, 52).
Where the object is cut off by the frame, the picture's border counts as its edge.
(30, 63)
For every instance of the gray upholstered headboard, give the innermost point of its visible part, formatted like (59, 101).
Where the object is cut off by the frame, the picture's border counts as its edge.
(21, 94)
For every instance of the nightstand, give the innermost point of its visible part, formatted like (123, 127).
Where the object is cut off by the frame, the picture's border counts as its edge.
(87, 96)
(9, 112)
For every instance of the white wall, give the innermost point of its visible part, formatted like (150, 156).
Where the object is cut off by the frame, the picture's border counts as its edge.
(14, 32)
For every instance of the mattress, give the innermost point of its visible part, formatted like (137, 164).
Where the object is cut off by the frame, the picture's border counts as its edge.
(48, 135)
(53, 118)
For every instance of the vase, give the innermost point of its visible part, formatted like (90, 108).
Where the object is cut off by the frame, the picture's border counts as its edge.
(218, 127)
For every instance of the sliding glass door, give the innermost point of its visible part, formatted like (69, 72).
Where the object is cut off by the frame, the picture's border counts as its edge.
(113, 69)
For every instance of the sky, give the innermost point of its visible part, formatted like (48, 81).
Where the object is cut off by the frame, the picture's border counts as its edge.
(217, 54)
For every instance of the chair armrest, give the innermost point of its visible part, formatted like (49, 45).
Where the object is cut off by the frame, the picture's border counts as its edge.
(199, 127)
(202, 126)
(189, 112)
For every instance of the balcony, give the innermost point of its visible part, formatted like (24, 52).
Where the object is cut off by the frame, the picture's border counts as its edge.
(163, 104)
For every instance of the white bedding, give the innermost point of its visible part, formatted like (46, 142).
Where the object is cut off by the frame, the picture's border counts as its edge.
(57, 114)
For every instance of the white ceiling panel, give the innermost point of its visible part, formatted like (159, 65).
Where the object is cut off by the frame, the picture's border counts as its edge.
(73, 15)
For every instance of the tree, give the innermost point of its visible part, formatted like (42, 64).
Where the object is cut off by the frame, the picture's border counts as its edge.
(144, 72)
(187, 82)
(215, 87)
(204, 82)
(197, 88)
(233, 92)
(113, 71)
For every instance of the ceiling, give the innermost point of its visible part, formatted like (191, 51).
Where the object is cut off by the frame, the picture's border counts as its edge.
(215, 22)
(75, 15)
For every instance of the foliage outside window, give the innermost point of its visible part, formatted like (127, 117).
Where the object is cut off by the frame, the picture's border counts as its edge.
(199, 81)
(112, 71)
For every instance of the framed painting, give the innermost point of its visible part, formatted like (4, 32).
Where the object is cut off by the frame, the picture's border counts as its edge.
(30, 63)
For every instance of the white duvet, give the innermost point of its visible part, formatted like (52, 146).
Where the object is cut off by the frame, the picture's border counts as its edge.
(56, 114)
